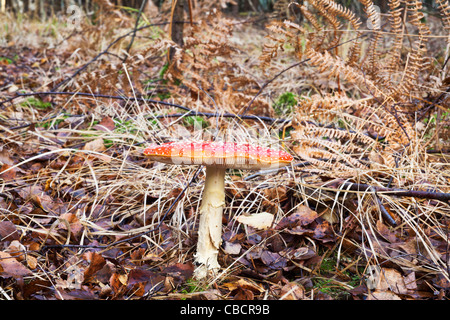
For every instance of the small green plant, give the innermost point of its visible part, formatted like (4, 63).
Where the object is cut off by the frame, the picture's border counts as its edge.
(108, 143)
(36, 103)
(191, 286)
(5, 60)
(52, 123)
(126, 126)
(163, 71)
(328, 281)
(195, 121)
(285, 103)
(432, 119)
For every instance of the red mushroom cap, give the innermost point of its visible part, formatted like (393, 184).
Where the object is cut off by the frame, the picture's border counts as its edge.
(219, 154)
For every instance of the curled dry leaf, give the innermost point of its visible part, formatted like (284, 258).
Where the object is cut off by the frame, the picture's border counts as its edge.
(387, 279)
(244, 284)
(107, 124)
(302, 217)
(7, 173)
(96, 263)
(75, 225)
(97, 145)
(140, 281)
(383, 295)
(10, 267)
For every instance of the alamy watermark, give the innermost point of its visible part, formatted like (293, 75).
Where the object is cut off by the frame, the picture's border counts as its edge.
(74, 16)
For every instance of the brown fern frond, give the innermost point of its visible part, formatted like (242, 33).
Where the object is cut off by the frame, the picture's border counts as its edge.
(417, 61)
(444, 9)
(205, 66)
(335, 66)
(355, 22)
(395, 20)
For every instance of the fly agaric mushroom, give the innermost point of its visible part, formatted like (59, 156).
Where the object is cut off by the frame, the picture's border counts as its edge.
(216, 157)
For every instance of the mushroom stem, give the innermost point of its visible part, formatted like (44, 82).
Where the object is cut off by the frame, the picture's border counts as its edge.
(210, 227)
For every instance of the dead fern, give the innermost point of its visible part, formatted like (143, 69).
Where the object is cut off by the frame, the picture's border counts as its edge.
(205, 66)
(365, 128)
(382, 119)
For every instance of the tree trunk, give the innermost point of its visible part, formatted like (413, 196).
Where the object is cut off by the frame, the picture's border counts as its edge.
(176, 30)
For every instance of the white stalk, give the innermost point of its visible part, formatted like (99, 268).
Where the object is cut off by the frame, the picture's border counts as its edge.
(210, 226)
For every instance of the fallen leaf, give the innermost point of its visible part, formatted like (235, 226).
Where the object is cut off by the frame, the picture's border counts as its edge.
(232, 248)
(75, 225)
(273, 260)
(179, 271)
(382, 295)
(36, 285)
(243, 294)
(39, 198)
(6, 173)
(390, 279)
(260, 221)
(5, 157)
(76, 294)
(96, 262)
(302, 217)
(8, 231)
(245, 284)
(140, 281)
(302, 253)
(16, 250)
(107, 124)
(10, 267)
(95, 145)
(410, 281)
(324, 231)
(292, 291)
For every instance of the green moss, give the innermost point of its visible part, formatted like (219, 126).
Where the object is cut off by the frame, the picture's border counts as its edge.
(285, 103)
(36, 103)
(195, 121)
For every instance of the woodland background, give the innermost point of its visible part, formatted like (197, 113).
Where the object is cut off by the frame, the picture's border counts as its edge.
(358, 98)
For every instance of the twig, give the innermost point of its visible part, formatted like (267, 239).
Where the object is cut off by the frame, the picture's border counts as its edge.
(165, 103)
(383, 210)
(263, 172)
(224, 115)
(95, 95)
(441, 196)
(144, 2)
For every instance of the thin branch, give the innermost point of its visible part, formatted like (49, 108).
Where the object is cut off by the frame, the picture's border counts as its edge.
(95, 95)
(165, 103)
(362, 187)
(223, 115)
(144, 2)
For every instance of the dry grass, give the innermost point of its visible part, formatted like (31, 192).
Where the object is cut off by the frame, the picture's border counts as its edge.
(78, 181)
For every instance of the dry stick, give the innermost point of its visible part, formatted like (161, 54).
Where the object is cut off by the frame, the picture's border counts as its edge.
(190, 112)
(224, 115)
(95, 95)
(135, 29)
(362, 187)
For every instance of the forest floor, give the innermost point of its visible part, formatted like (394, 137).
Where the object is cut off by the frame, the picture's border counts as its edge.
(84, 215)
